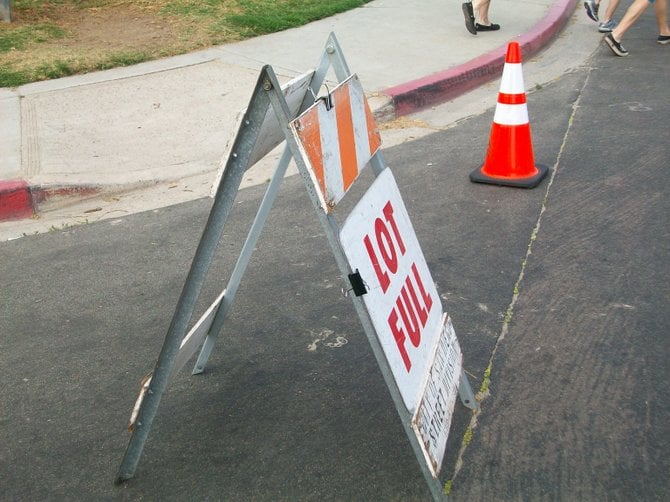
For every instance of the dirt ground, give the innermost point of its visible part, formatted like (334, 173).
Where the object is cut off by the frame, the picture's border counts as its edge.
(97, 29)
(94, 35)
(118, 26)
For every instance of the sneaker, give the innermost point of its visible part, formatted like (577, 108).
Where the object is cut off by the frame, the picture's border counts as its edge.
(608, 26)
(663, 39)
(616, 47)
(591, 9)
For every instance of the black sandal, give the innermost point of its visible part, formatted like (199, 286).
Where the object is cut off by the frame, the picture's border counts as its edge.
(469, 15)
(487, 27)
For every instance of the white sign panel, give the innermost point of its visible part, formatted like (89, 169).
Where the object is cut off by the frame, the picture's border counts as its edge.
(432, 420)
(379, 241)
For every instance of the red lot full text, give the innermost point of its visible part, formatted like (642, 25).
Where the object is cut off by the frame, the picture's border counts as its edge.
(409, 314)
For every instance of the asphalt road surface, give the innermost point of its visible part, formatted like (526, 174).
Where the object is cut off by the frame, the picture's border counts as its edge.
(562, 290)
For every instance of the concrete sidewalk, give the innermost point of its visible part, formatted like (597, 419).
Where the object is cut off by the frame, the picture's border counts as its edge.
(169, 119)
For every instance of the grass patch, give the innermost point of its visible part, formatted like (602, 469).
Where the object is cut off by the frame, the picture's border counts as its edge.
(55, 69)
(122, 59)
(12, 78)
(486, 382)
(64, 68)
(45, 71)
(55, 38)
(23, 36)
(197, 8)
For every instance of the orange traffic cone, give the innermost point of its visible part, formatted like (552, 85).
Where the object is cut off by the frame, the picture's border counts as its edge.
(510, 160)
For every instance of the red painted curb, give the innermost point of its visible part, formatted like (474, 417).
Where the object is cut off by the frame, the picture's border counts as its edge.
(443, 86)
(19, 200)
(15, 200)
(44, 194)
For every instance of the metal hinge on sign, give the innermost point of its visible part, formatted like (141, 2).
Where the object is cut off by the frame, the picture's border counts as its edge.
(358, 285)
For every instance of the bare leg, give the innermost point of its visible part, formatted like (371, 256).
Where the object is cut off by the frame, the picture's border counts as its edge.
(632, 14)
(611, 8)
(661, 11)
(481, 8)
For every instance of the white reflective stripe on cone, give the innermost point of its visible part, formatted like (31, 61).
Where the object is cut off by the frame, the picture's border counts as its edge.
(512, 115)
(512, 79)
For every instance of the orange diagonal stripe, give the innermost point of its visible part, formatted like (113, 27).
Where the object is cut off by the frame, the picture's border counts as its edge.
(345, 133)
(310, 136)
(374, 137)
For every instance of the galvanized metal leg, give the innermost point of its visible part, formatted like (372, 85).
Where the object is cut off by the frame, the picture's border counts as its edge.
(332, 57)
(465, 393)
(223, 201)
(377, 163)
(226, 192)
(243, 261)
(331, 230)
(336, 58)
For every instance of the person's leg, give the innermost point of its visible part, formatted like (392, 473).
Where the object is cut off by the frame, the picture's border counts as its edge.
(482, 11)
(483, 23)
(661, 12)
(632, 14)
(613, 39)
(608, 23)
(611, 8)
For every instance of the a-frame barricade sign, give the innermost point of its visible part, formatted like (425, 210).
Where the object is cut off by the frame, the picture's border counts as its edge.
(331, 139)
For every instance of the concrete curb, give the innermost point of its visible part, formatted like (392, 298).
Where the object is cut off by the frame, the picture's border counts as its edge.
(444, 86)
(16, 200)
(19, 200)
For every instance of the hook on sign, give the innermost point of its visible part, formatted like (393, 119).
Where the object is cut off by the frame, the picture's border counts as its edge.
(327, 99)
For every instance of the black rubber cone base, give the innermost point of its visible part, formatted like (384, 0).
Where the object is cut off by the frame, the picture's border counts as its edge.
(477, 176)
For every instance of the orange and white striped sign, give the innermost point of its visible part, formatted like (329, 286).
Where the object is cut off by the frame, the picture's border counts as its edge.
(337, 141)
